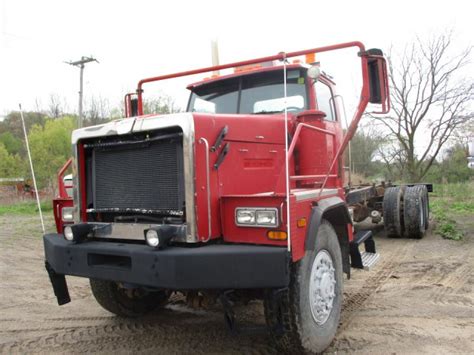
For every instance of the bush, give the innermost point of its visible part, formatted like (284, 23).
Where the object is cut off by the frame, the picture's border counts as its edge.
(448, 201)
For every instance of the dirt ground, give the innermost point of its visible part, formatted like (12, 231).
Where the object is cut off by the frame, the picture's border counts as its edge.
(417, 299)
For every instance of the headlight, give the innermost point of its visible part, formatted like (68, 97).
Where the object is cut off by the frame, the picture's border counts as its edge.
(68, 234)
(267, 218)
(256, 217)
(67, 214)
(245, 216)
(159, 237)
(151, 237)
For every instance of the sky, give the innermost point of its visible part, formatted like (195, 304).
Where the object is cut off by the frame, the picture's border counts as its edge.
(137, 39)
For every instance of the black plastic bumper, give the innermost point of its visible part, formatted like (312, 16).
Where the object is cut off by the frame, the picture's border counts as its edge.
(175, 268)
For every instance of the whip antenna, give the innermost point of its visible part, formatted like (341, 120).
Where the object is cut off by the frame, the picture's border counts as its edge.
(32, 170)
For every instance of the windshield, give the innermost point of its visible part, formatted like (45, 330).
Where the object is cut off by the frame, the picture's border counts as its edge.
(259, 93)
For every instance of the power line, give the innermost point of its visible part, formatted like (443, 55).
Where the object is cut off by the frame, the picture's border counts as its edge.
(81, 64)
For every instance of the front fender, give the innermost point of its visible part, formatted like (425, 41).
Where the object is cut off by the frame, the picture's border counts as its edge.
(334, 210)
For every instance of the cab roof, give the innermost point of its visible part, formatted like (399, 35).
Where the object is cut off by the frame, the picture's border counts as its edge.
(245, 72)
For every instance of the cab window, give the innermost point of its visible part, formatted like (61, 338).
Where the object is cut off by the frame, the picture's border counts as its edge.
(258, 93)
(325, 100)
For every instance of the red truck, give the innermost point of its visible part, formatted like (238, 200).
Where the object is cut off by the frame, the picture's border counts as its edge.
(240, 197)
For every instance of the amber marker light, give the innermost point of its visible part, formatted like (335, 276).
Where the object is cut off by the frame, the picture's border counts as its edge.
(301, 223)
(277, 235)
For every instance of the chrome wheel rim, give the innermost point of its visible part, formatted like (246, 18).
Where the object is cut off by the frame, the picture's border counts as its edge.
(322, 287)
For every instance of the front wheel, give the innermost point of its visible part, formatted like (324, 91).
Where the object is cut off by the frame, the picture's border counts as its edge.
(126, 302)
(306, 316)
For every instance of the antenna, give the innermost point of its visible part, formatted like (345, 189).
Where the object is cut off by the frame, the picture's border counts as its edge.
(215, 55)
(32, 170)
(80, 64)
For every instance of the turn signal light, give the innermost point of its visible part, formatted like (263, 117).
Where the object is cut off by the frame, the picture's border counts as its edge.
(277, 235)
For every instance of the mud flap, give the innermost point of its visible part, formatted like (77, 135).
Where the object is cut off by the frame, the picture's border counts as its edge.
(59, 284)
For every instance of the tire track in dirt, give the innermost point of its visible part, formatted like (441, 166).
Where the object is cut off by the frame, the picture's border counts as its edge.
(355, 299)
(449, 287)
(133, 337)
(381, 273)
(416, 299)
(44, 295)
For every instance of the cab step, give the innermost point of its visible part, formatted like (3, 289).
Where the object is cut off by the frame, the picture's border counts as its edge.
(367, 258)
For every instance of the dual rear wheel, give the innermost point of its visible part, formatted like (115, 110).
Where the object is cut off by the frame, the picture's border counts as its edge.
(406, 211)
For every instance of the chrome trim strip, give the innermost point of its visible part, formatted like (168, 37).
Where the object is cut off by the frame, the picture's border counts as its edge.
(76, 200)
(209, 225)
(126, 231)
(311, 194)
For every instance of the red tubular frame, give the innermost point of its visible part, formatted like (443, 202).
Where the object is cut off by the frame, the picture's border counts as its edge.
(364, 96)
(128, 104)
(279, 56)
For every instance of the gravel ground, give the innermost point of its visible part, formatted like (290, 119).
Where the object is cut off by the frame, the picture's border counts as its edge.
(417, 299)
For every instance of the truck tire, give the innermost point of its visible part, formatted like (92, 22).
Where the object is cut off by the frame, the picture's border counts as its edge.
(126, 302)
(304, 317)
(392, 211)
(426, 202)
(414, 212)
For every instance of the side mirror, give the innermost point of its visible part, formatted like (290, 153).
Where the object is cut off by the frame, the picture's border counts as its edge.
(378, 79)
(131, 105)
(134, 107)
(314, 72)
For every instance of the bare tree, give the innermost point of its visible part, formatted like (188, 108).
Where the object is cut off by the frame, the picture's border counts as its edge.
(163, 104)
(54, 106)
(466, 135)
(430, 98)
(96, 111)
(394, 158)
(365, 146)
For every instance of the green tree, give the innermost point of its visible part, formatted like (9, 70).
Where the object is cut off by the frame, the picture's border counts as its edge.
(453, 167)
(50, 148)
(12, 122)
(11, 166)
(13, 145)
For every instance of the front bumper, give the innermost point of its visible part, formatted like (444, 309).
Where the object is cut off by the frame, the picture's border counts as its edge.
(174, 268)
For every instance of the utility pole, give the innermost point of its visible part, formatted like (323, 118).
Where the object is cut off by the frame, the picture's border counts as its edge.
(80, 64)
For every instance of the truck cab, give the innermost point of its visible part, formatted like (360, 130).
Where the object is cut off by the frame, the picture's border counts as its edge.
(242, 195)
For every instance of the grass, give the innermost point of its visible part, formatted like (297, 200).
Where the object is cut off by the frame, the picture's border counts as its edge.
(449, 201)
(25, 208)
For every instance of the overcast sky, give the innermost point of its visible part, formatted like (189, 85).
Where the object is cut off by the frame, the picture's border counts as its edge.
(137, 39)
